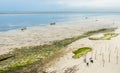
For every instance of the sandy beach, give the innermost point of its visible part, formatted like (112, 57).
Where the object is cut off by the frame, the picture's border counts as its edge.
(47, 34)
(105, 54)
(59, 36)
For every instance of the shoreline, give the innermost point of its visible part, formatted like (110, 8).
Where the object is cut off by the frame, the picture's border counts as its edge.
(38, 45)
(49, 33)
(93, 18)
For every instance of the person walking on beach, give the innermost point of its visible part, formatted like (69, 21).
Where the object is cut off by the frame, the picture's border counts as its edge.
(91, 60)
(87, 64)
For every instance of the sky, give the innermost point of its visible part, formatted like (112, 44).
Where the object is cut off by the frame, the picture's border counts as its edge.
(59, 5)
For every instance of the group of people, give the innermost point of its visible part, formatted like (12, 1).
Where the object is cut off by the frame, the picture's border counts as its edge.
(90, 59)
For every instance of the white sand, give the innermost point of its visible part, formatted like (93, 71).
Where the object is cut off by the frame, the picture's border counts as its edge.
(100, 55)
(47, 34)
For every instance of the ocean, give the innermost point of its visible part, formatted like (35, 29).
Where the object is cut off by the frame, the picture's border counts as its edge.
(17, 21)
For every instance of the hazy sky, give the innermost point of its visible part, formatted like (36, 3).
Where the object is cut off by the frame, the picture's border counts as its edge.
(60, 5)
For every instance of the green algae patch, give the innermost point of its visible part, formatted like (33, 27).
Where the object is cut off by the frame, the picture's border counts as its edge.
(106, 36)
(35, 57)
(80, 52)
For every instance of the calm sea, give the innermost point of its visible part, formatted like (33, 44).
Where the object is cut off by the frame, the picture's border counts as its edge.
(16, 21)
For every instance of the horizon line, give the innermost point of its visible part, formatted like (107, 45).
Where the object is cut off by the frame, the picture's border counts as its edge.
(47, 12)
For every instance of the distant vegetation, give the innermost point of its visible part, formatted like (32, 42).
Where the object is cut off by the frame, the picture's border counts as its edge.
(106, 36)
(81, 51)
(30, 59)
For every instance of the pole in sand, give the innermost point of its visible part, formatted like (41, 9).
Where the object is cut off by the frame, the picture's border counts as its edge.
(109, 56)
(103, 59)
(117, 57)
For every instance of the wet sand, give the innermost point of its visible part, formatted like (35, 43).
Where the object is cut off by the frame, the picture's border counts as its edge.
(47, 34)
(102, 49)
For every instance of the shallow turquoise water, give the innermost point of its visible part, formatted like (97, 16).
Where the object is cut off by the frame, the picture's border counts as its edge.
(16, 21)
